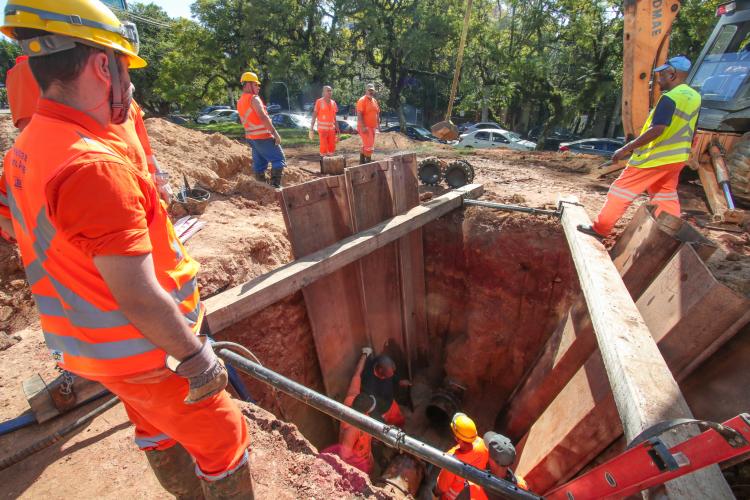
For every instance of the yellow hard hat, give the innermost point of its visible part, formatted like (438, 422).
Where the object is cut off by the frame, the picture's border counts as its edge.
(249, 76)
(463, 427)
(86, 21)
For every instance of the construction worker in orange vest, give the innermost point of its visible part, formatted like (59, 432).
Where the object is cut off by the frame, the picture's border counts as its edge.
(502, 455)
(260, 133)
(324, 113)
(116, 291)
(355, 445)
(368, 122)
(470, 449)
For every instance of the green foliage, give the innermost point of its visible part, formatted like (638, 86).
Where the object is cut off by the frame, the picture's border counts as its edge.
(530, 63)
(9, 50)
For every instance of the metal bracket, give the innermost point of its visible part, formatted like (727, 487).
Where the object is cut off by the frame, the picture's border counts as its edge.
(731, 436)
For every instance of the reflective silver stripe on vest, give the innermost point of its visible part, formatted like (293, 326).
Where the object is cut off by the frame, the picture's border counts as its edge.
(222, 475)
(4, 199)
(254, 128)
(145, 443)
(102, 350)
(657, 156)
(176, 249)
(246, 116)
(685, 116)
(192, 316)
(185, 291)
(15, 211)
(34, 273)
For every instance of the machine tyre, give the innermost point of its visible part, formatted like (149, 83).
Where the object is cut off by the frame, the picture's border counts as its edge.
(430, 171)
(738, 163)
(459, 173)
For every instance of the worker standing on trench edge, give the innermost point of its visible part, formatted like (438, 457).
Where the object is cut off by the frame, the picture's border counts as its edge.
(355, 445)
(381, 380)
(116, 291)
(658, 154)
(470, 450)
(368, 122)
(324, 113)
(260, 133)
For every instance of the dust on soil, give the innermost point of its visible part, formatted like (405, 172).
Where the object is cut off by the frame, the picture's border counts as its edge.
(245, 237)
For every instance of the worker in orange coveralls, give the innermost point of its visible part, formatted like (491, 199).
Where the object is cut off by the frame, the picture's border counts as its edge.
(368, 122)
(23, 97)
(355, 445)
(658, 154)
(116, 291)
(471, 450)
(324, 114)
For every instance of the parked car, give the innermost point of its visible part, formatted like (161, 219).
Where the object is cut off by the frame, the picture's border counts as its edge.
(207, 110)
(494, 138)
(600, 147)
(273, 108)
(177, 119)
(347, 127)
(482, 126)
(414, 132)
(290, 120)
(220, 116)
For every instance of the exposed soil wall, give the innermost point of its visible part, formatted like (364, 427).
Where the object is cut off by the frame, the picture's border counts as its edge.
(497, 285)
(281, 337)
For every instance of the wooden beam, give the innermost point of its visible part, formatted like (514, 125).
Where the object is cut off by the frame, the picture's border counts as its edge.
(242, 301)
(641, 251)
(644, 389)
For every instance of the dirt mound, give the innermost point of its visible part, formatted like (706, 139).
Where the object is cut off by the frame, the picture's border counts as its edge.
(549, 159)
(8, 134)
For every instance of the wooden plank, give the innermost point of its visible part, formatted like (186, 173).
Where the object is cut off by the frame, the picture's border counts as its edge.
(642, 250)
(687, 311)
(46, 401)
(644, 389)
(333, 165)
(371, 202)
(405, 190)
(317, 215)
(715, 196)
(242, 301)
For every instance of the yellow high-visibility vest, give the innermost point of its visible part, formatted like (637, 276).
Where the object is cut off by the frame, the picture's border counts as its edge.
(674, 144)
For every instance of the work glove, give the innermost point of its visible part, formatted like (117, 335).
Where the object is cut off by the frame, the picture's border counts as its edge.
(206, 373)
(367, 351)
(310, 134)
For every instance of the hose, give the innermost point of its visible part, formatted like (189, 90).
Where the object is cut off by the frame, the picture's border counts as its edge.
(233, 346)
(57, 436)
(19, 422)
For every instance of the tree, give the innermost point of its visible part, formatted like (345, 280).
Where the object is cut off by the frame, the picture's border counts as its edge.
(9, 50)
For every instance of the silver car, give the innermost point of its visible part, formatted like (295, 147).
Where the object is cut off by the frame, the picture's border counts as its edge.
(494, 138)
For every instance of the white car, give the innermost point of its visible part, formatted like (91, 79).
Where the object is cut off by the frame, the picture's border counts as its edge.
(481, 126)
(494, 138)
(220, 116)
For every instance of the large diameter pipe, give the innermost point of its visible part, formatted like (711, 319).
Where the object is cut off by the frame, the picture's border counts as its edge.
(722, 173)
(511, 208)
(391, 436)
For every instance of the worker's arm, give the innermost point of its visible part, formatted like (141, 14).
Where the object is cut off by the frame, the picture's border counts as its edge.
(132, 282)
(361, 121)
(6, 225)
(348, 441)
(312, 122)
(355, 386)
(258, 107)
(648, 136)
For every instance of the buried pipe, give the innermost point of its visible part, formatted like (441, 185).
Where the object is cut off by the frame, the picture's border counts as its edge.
(391, 436)
(512, 208)
(405, 473)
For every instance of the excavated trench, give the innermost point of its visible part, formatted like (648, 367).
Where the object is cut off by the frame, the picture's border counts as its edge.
(497, 284)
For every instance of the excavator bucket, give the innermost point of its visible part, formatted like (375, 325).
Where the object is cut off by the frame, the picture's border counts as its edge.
(445, 130)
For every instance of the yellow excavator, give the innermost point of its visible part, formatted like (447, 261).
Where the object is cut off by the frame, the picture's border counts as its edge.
(721, 148)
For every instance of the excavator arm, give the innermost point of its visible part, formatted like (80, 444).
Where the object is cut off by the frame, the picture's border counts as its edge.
(647, 26)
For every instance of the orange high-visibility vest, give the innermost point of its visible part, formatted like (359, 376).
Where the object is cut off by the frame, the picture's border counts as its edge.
(369, 108)
(82, 324)
(452, 484)
(326, 113)
(23, 91)
(254, 128)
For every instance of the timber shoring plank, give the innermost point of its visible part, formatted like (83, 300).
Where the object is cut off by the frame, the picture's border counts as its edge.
(371, 202)
(317, 215)
(643, 249)
(405, 189)
(242, 301)
(644, 390)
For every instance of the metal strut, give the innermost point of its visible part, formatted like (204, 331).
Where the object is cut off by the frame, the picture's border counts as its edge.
(391, 436)
(513, 208)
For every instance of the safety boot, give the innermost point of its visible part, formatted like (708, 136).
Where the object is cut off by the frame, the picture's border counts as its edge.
(260, 176)
(238, 484)
(368, 159)
(276, 174)
(362, 159)
(175, 470)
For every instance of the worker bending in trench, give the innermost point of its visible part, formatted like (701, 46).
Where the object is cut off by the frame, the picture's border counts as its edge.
(470, 450)
(368, 122)
(381, 380)
(116, 291)
(658, 154)
(324, 113)
(355, 445)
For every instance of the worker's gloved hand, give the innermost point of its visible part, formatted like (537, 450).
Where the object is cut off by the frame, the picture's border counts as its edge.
(310, 134)
(367, 351)
(205, 372)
